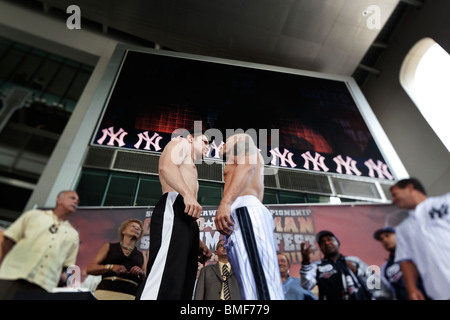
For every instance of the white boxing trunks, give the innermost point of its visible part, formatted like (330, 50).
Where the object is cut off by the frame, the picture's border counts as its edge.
(251, 250)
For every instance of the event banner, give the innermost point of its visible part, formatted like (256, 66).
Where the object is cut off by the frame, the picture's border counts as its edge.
(353, 225)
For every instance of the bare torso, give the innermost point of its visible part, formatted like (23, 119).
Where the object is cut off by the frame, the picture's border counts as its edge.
(256, 184)
(187, 169)
(189, 173)
(243, 175)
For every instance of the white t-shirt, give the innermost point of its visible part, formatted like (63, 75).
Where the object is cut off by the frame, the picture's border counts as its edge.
(424, 238)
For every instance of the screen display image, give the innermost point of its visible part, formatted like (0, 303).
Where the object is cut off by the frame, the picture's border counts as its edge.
(311, 123)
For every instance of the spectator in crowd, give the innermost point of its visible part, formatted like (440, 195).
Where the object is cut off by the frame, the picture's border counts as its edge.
(38, 247)
(120, 264)
(391, 274)
(215, 282)
(423, 240)
(291, 285)
(337, 277)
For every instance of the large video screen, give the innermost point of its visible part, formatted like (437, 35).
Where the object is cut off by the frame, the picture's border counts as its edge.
(312, 123)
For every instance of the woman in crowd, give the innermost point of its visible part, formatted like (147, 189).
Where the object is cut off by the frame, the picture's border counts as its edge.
(120, 264)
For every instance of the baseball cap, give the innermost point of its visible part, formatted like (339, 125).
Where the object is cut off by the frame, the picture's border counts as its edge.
(377, 233)
(325, 233)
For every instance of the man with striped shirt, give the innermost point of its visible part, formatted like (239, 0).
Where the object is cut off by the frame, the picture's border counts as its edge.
(247, 223)
(423, 240)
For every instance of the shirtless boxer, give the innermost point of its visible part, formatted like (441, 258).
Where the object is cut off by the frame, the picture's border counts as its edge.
(247, 223)
(175, 245)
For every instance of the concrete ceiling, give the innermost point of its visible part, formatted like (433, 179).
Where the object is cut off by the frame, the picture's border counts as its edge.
(329, 36)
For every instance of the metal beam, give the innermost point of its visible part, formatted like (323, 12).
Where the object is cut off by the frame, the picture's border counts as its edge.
(379, 45)
(416, 3)
(370, 69)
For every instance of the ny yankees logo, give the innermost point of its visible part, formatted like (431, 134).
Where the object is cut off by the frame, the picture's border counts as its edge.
(440, 212)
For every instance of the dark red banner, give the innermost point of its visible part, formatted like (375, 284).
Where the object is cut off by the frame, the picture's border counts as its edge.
(354, 225)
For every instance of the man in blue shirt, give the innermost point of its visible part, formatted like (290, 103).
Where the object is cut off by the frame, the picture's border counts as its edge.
(291, 285)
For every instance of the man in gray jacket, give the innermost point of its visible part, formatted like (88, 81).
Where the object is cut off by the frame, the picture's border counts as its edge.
(216, 283)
